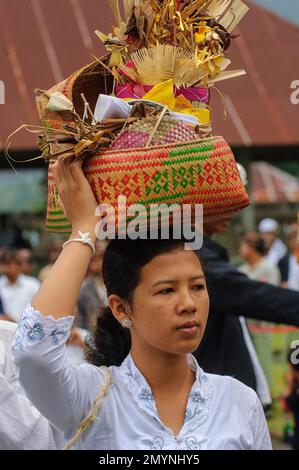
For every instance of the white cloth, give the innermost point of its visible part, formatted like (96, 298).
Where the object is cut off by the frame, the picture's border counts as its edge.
(221, 413)
(110, 107)
(293, 278)
(22, 427)
(262, 387)
(16, 296)
(264, 271)
(74, 352)
(277, 251)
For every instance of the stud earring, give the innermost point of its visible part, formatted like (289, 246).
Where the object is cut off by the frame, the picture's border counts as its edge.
(126, 323)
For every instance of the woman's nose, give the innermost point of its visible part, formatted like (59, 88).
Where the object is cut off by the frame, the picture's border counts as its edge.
(186, 302)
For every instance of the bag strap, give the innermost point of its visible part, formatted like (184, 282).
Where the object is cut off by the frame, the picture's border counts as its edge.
(94, 410)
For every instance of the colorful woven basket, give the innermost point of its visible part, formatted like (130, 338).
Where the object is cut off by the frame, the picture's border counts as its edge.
(195, 172)
(91, 80)
(169, 131)
(178, 167)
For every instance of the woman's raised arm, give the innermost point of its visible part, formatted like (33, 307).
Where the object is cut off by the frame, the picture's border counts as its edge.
(61, 391)
(58, 293)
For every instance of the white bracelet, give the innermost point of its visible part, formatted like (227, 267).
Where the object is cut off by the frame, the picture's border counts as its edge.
(85, 239)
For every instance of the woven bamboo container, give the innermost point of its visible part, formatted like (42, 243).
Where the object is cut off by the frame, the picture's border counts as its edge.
(192, 171)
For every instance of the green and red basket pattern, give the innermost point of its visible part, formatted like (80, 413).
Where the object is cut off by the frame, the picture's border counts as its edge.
(195, 172)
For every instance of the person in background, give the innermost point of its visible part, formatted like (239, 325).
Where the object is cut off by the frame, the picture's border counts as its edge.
(256, 264)
(289, 270)
(22, 427)
(1, 308)
(227, 330)
(93, 296)
(227, 347)
(259, 268)
(16, 289)
(25, 259)
(55, 248)
(288, 265)
(276, 249)
(11, 235)
(290, 397)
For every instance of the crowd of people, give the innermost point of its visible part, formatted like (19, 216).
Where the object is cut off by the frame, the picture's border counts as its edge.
(246, 302)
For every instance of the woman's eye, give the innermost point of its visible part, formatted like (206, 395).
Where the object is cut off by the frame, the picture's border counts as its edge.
(166, 291)
(198, 287)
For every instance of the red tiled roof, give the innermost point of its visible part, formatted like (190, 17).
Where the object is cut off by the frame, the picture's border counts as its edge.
(272, 185)
(42, 42)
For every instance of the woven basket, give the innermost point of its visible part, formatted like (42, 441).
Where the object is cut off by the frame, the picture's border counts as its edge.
(91, 80)
(192, 171)
(170, 130)
(196, 172)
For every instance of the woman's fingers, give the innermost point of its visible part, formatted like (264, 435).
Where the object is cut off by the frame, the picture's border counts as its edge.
(64, 173)
(63, 165)
(53, 167)
(77, 172)
(75, 194)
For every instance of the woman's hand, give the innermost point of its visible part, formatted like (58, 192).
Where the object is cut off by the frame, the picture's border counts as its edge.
(78, 200)
(58, 294)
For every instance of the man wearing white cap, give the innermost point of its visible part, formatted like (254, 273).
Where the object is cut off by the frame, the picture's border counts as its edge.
(276, 248)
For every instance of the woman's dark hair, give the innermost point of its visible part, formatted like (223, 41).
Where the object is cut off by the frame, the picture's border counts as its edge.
(122, 263)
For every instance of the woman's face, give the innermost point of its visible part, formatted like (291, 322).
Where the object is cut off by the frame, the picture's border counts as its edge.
(170, 305)
(245, 250)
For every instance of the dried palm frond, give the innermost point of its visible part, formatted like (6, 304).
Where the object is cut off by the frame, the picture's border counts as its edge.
(128, 7)
(235, 14)
(79, 136)
(199, 27)
(227, 75)
(114, 5)
(216, 8)
(83, 139)
(165, 62)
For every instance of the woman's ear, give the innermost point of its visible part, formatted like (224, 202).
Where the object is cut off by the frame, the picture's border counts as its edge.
(119, 308)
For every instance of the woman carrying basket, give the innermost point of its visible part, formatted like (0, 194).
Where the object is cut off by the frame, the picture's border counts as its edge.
(152, 394)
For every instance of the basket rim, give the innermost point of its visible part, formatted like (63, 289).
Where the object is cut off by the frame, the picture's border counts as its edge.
(164, 146)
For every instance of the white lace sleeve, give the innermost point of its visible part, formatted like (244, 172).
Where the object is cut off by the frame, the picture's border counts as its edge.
(61, 391)
(262, 440)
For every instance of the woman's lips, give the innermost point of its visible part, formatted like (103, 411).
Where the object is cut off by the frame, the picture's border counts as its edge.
(189, 328)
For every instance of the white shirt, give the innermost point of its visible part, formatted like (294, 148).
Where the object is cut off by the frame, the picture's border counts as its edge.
(22, 427)
(293, 279)
(262, 387)
(277, 251)
(16, 296)
(74, 352)
(264, 271)
(221, 413)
